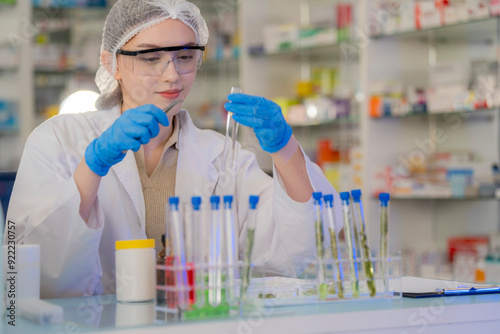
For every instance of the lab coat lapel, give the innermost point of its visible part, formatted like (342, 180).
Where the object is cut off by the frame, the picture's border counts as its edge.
(127, 172)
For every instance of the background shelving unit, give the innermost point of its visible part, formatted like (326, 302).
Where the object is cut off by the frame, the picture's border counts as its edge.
(274, 74)
(16, 78)
(221, 66)
(423, 224)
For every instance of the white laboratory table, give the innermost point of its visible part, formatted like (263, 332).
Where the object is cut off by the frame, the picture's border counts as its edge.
(464, 314)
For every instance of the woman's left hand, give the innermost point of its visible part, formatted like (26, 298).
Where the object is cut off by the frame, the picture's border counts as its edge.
(264, 116)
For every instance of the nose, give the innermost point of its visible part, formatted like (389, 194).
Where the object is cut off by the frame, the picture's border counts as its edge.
(170, 72)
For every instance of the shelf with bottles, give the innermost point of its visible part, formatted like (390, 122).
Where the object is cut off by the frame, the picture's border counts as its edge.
(323, 25)
(459, 175)
(452, 19)
(453, 87)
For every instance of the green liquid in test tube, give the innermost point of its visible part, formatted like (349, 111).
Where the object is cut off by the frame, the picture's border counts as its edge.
(199, 229)
(215, 256)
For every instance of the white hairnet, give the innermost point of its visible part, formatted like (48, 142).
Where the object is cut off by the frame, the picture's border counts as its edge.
(126, 19)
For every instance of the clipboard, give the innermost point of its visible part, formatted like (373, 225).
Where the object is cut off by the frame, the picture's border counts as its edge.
(416, 287)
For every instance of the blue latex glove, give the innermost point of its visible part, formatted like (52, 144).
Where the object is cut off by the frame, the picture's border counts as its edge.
(135, 127)
(264, 116)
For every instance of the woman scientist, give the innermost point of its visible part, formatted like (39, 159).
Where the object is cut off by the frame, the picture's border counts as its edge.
(87, 180)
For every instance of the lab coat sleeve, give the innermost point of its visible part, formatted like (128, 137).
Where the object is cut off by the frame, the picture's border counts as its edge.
(295, 221)
(45, 210)
(284, 235)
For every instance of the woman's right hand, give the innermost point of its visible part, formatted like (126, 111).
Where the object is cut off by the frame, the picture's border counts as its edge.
(135, 127)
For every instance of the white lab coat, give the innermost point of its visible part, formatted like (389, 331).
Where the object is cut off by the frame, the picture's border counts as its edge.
(79, 259)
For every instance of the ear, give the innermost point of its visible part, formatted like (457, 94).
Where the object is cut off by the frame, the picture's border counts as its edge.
(107, 62)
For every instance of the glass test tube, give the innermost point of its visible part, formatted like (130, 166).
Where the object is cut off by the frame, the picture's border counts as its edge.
(231, 136)
(365, 249)
(199, 250)
(179, 262)
(215, 257)
(351, 248)
(334, 242)
(232, 258)
(320, 252)
(384, 231)
(247, 257)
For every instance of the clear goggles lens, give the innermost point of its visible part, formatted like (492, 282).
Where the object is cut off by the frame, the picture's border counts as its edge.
(155, 63)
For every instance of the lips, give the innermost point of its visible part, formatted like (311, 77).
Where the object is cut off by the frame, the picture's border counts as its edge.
(170, 94)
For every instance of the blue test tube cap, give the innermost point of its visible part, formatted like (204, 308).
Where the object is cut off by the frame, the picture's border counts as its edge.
(196, 201)
(345, 196)
(228, 200)
(174, 202)
(384, 199)
(253, 200)
(317, 197)
(356, 195)
(215, 200)
(328, 200)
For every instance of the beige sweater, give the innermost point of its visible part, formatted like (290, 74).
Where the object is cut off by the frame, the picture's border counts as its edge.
(158, 187)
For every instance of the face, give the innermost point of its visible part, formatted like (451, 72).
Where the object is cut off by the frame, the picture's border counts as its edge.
(159, 90)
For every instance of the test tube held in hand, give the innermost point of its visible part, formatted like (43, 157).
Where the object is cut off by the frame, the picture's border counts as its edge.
(215, 257)
(247, 256)
(363, 240)
(229, 156)
(232, 258)
(384, 231)
(334, 242)
(179, 254)
(351, 248)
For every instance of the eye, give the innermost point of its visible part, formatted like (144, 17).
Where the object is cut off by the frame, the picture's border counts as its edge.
(150, 59)
(185, 57)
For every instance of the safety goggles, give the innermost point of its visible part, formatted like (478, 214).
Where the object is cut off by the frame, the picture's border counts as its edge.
(152, 62)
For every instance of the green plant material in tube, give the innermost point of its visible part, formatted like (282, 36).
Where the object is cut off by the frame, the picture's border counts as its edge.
(367, 264)
(363, 242)
(384, 220)
(335, 255)
(353, 269)
(318, 225)
(245, 277)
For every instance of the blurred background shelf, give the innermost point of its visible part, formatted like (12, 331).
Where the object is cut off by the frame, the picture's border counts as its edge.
(438, 113)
